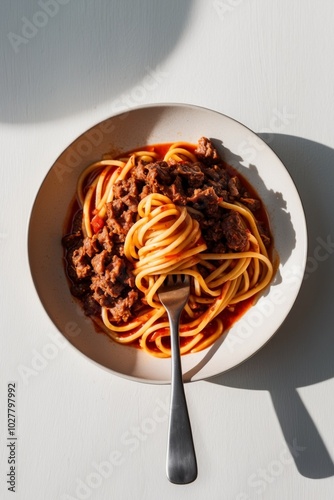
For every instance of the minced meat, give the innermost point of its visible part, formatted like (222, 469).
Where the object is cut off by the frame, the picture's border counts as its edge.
(100, 274)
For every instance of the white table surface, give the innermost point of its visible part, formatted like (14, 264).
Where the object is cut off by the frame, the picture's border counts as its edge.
(264, 430)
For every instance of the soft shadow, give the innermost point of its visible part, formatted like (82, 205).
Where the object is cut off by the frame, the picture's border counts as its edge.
(62, 59)
(302, 352)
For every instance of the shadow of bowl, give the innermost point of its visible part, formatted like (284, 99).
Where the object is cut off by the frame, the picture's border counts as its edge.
(302, 352)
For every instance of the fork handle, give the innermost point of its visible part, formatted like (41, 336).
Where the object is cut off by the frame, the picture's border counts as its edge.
(181, 466)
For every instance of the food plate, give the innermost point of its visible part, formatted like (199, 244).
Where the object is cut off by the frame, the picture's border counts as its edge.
(164, 123)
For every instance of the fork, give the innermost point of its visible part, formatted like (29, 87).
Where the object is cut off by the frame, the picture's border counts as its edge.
(181, 465)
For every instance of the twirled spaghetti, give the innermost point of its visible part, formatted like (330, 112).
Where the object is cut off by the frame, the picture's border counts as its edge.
(162, 211)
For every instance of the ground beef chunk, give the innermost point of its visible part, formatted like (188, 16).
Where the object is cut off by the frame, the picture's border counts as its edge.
(123, 188)
(90, 246)
(158, 176)
(145, 191)
(121, 308)
(206, 152)
(122, 211)
(82, 255)
(105, 239)
(112, 282)
(100, 261)
(192, 173)
(174, 181)
(81, 263)
(234, 187)
(161, 173)
(114, 287)
(139, 172)
(219, 190)
(251, 203)
(213, 235)
(235, 232)
(176, 192)
(215, 173)
(206, 201)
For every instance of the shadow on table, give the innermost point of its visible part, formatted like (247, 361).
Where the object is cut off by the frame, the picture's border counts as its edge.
(302, 352)
(59, 58)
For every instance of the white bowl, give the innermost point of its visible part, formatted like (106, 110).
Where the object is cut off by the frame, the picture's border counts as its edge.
(160, 124)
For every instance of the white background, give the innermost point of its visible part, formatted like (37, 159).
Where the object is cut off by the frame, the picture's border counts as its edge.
(262, 431)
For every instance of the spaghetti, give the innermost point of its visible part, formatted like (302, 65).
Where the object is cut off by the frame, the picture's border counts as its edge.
(151, 214)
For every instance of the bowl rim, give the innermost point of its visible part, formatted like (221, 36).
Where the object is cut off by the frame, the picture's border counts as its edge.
(302, 223)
